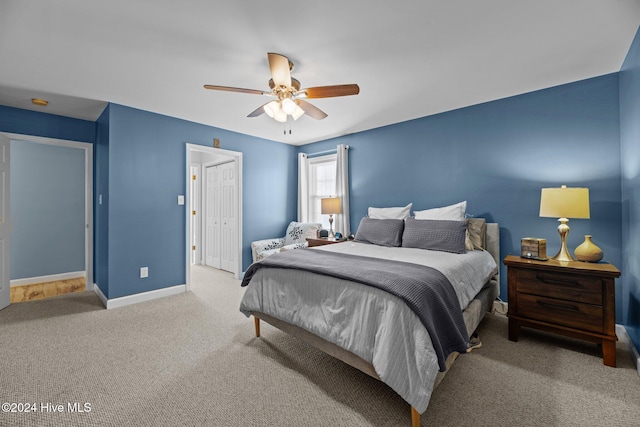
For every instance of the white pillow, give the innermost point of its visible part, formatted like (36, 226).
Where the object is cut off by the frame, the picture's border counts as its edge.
(452, 212)
(390, 213)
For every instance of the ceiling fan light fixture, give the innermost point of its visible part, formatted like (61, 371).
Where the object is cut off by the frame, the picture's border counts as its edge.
(271, 108)
(288, 106)
(287, 93)
(280, 115)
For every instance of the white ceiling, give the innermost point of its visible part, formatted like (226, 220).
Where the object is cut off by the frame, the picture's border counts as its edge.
(410, 58)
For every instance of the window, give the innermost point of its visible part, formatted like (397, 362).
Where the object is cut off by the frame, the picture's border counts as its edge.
(322, 183)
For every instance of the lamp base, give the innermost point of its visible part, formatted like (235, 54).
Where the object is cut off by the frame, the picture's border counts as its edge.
(332, 235)
(563, 254)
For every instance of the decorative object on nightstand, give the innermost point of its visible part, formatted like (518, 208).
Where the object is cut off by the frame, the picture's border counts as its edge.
(533, 248)
(588, 251)
(564, 203)
(330, 206)
(575, 299)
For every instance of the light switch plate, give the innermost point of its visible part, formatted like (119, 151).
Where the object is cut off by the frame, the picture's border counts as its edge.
(181, 200)
(144, 272)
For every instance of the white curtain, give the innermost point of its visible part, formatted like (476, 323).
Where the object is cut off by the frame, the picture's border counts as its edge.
(303, 188)
(342, 189)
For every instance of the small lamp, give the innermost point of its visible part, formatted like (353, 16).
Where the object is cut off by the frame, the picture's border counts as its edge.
(330, 206)
(564, 203)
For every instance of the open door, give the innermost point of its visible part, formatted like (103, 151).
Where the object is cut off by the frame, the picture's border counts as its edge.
(212, 217)
(5, 222)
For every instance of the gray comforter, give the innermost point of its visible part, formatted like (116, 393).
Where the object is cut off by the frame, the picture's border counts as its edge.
(425, 290)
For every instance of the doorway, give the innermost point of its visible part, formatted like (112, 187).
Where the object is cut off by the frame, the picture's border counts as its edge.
(83, 229)
(214, 193)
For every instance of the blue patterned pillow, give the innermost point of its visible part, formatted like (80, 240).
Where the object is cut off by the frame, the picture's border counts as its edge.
(382, 232)
(436, 235)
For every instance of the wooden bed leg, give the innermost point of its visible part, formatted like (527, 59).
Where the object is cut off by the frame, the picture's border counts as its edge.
(415, 417)
(257, 322)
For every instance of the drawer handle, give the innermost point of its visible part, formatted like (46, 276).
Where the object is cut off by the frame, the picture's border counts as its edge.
(558, 282)
(560, 306)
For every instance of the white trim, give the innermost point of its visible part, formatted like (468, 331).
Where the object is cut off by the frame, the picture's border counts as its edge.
(624, 338)
(98, 291)
(138, 298)
(237, 159)
(88, 171)
(48, 278)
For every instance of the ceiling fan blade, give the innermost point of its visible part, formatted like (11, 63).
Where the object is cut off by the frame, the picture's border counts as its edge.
(236, 89)
(311, 110)
(331, 91)
(280, 69)
(257, 111)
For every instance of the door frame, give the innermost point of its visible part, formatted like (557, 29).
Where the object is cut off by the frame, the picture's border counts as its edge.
(195, 203)
(237, 160)
(88, 193)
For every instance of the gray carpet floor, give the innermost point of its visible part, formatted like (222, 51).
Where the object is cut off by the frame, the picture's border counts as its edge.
(192, 360)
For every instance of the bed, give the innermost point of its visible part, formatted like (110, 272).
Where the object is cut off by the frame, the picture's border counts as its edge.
(373, 328)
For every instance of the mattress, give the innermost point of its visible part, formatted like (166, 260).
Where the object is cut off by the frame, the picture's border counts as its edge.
(369, 322)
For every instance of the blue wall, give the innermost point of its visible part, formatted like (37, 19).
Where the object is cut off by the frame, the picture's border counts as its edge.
(25, 122)
(146, 161)
(47, 209)
(498, 156)
(630, 146)
(139, 169)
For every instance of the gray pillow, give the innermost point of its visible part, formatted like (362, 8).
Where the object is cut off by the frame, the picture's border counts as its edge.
(436, 235)
(382, 232)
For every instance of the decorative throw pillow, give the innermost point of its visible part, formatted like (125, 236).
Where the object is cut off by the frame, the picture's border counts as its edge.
(382, 232)
(477, 230)
(297, 232)
(390, 213)
(436, 235)
(454, 212)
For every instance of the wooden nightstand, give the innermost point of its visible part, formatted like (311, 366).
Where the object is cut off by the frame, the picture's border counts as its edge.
(576, 299)
(323, 241)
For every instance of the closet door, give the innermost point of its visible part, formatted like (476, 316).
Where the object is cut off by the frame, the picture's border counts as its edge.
(229, 218)
(212, 219)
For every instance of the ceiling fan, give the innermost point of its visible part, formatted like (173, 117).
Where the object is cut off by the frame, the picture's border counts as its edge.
(288, 94)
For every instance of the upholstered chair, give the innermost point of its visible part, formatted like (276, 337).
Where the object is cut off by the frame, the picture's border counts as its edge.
(294, 238)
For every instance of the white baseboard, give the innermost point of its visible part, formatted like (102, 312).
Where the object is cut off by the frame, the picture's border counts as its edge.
(48, 278)
(137, 298)
(623, 336)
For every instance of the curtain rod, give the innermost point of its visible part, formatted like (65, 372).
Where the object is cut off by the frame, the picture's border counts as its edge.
(323, 153)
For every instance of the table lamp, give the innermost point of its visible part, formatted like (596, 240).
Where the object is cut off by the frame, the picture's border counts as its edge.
(330, 206)
(564, 203)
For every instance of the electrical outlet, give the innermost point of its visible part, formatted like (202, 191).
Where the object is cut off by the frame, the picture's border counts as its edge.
(144, 272)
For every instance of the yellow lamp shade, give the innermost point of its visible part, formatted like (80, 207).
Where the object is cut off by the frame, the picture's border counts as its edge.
(564, 202)
(330, 206)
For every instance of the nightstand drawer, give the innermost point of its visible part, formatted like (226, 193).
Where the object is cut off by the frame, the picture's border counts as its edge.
(557, 285)
(567, 313)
